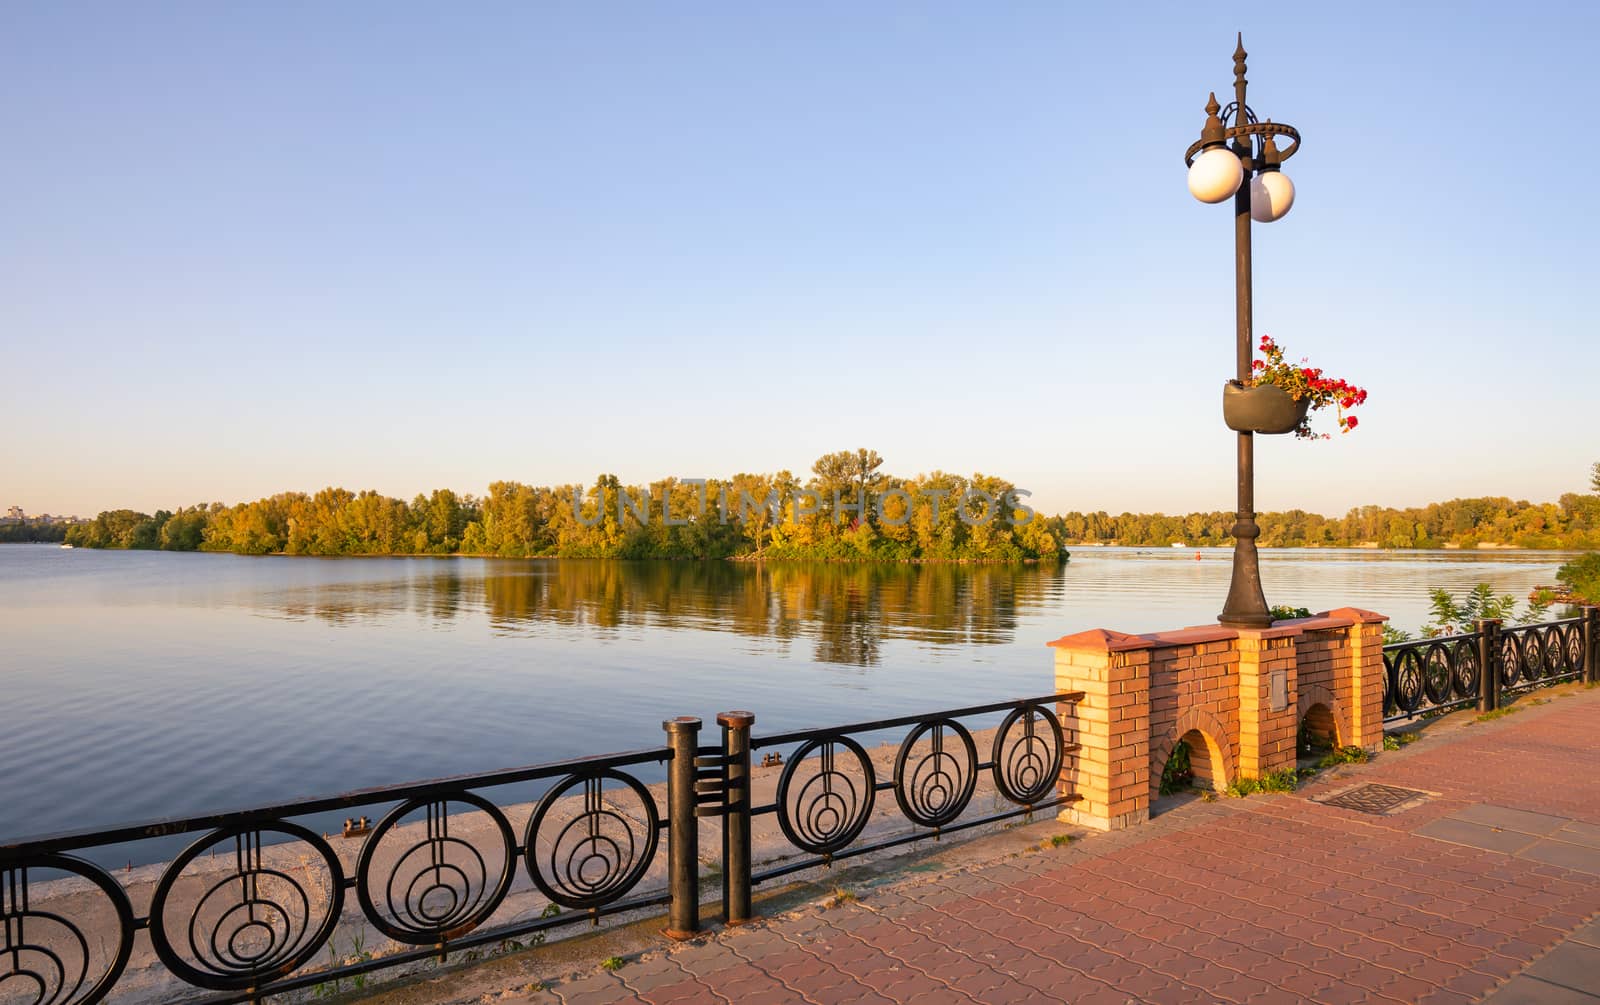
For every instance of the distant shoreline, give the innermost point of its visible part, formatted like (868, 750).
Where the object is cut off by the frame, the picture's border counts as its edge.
(1090, 547)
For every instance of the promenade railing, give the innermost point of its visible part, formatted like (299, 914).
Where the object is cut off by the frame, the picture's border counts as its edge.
(251, 907)
(1488, 665)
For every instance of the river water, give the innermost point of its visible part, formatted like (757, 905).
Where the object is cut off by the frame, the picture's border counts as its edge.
(136, 685)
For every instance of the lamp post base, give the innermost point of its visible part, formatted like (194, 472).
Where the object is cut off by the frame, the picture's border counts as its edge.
(1247, 605)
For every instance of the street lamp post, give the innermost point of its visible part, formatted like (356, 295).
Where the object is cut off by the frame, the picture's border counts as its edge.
(1248, 170)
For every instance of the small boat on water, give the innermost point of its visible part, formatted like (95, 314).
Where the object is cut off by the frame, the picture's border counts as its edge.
(67, 546)
(1179, 544)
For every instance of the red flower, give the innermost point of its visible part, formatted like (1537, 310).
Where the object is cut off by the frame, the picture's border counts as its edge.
(1350, 422)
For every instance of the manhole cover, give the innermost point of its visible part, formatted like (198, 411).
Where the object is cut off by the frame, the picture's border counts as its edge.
(1375, 799)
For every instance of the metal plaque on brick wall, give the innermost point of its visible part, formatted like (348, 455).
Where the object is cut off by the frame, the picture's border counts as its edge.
(1278, 686)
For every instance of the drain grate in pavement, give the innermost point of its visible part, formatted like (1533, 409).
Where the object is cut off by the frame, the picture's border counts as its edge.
(1375, 799)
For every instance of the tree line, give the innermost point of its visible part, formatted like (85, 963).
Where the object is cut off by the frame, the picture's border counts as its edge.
(847, 509)
(23, 531)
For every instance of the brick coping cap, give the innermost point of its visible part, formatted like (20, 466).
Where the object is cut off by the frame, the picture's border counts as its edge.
(1100, 640)
(1105, 640)
(1356, 614)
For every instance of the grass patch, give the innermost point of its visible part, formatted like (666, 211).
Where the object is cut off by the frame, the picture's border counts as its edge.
(1498, 713)
(839, 897)
(1394, 741)
(1273, 781)
(359, 953)
(1343, 755)
(612, 963)
(1060, 840)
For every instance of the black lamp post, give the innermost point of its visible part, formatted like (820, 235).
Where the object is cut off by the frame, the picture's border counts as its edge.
(1248, 170)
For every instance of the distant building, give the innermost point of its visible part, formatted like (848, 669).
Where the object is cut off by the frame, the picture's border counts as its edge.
(15, 513)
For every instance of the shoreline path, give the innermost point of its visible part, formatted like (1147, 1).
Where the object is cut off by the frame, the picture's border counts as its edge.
(1486, 889)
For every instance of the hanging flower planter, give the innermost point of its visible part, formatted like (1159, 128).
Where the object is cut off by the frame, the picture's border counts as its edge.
(1279, 396)
(1265, 408)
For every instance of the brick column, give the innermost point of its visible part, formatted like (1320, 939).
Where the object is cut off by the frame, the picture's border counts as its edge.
(1363, 675)
(1111, 769)
(1268, 703)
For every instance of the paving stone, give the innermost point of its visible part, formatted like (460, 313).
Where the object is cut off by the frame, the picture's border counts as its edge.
(1572, 965)
(1476, 835)
(1577, 832)
(1582, 858)
(1511, 820)
(1531, 991)
(1589, 935)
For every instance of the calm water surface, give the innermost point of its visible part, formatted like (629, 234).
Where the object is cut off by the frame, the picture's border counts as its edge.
(147, 684)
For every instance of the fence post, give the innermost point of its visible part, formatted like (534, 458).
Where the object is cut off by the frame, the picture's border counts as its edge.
(683, 830)
(1488, 664)
(1591, 644)
(736, 816)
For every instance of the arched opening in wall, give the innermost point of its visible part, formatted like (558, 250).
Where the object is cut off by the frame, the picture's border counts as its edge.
(1195, 762)
(1319, 730)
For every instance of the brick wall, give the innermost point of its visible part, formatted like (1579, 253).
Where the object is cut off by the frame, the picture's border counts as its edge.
(1237, 697)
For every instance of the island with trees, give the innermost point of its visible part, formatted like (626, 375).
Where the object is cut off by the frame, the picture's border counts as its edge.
(847, 509)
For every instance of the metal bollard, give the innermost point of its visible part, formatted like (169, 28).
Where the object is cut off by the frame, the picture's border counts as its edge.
(1488, 664)
(683, 831)
(736, 816)
(1591, 644)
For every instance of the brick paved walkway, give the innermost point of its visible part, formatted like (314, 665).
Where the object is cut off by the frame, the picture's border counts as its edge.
(1266, 899)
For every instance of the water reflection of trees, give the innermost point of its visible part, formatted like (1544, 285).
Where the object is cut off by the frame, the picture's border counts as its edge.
(847, 611)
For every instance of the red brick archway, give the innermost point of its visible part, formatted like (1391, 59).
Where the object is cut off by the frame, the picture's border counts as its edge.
(1238, 696)
(1313, 696)
(1213, 762)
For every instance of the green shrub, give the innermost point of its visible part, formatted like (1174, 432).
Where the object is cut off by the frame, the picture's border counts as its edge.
(1178, 773)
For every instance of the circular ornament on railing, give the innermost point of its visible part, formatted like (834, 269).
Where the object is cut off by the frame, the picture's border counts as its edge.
(1389, 705)
(1464, 660)
(1574, 648)
(1510, 660)
(252, 920)
(1028, 764)
(1532, 655)
(1408, 680)
(602, 849)
(829, 808)
(1554, 643)
(1436, 674)
(46, 957)
(933, 787)
(436, 885)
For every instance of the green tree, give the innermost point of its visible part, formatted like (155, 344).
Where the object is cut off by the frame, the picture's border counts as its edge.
(1580, 578)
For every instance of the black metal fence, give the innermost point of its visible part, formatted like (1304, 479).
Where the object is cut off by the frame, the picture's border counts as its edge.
(251, 907)
(1482, 667)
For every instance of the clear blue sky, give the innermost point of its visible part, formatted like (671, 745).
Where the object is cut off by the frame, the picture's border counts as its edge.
(254, 247)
